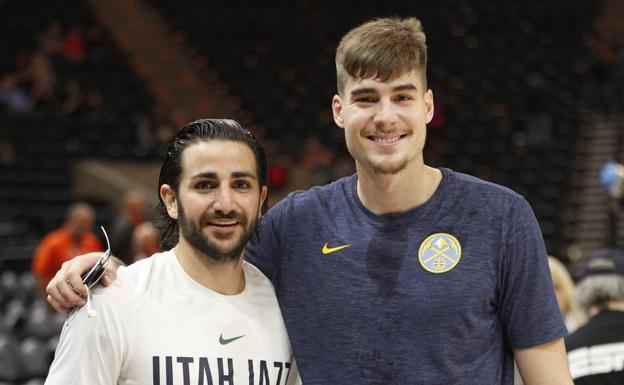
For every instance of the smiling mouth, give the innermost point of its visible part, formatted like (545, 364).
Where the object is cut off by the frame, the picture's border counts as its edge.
(386, 139)
(224, 224)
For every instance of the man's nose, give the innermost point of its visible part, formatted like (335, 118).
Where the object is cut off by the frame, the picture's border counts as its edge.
(385, 114)
(224, 200)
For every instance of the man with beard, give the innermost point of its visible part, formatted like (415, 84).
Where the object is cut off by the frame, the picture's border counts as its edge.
(196, 314)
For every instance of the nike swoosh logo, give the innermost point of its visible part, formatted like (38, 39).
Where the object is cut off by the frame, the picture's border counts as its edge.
(225, 341)
(329, 250)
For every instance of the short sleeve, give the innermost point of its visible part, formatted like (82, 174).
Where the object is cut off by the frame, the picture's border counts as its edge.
(528, 305)
(91, 350)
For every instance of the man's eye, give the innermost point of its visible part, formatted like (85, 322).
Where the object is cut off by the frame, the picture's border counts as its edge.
(365, 99)
(203, 185)
(403, 98)
(242, 185)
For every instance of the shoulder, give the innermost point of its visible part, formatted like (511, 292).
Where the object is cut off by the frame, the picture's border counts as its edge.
(315, 197)
(254, 274)
(473, 184)
(256, 278)
(470, 189)
(55, 237)
(135, 280)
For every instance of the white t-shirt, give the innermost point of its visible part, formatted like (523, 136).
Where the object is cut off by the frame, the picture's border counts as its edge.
(155, 325)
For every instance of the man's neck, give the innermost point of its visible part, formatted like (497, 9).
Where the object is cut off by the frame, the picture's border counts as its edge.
(395, 193)
(225, 278)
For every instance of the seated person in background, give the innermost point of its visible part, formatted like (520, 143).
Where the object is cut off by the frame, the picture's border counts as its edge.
(144, 241)
(596, 350)
(124, 224)
(73, 238)
(195, 314)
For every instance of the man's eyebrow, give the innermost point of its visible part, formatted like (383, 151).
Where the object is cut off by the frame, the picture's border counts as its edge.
(243, 174)
(213, 175)
(367, 90)
(205, 174)
(405, 87)
(362, 90)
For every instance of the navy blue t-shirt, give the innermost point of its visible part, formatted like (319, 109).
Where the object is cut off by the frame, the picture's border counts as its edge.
(439, 294)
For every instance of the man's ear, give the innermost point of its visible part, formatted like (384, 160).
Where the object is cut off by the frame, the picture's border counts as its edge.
(264, 192)
(168, 196)
(337, 110)
(429, 106)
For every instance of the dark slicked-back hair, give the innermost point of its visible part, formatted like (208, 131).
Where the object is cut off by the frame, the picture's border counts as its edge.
(203, 130)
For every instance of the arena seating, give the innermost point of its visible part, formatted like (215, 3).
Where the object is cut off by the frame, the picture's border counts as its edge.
(506, 76)
(28, 330)
(47, 140)
(507, 80)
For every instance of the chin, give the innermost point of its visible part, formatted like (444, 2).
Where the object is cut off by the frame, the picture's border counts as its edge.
(388, 168)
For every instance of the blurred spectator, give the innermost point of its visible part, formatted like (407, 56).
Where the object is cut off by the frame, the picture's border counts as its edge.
(145, 241)
(50, 42)
(73, 98)
(7, 152)
(124, 224)
(12, 97)
(564, 289)
(596, 350)
(73, 46)
(41, 74)
(73, 238)
(317, 158)
(279, 170)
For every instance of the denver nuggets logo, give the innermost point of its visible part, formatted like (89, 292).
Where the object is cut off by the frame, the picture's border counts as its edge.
(439, 253)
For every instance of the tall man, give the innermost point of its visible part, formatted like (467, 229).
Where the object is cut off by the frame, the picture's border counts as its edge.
(402, 273)
(196, 314)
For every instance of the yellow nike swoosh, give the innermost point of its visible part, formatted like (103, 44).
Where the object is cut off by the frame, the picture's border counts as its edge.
(329, 250)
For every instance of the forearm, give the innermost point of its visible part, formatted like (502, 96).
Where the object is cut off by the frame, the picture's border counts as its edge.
(545, 364)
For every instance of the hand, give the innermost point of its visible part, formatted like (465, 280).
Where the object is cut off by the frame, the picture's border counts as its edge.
(66, 289)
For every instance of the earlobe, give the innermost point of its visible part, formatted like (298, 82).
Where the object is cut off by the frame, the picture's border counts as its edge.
(168, 197)
(337, 110)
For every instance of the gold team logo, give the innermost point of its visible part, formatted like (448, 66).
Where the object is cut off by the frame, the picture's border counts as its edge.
(439, 253)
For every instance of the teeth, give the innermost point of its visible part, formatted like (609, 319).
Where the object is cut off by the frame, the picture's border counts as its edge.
(224, 223)
(386, 140)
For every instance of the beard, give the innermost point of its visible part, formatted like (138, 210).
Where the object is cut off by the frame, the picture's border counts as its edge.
(208, 249)
(388, 167)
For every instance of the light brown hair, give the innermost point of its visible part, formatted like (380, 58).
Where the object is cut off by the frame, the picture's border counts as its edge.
(382, 49)
(563, 282)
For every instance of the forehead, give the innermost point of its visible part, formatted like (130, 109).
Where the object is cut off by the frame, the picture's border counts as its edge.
(222, 157)
(412, 77)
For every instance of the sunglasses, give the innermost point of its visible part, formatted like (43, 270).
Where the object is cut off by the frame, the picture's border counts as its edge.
(95, 274)
(91, 278)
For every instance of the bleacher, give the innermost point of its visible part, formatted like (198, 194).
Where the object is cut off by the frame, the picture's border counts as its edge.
(53, 135)
(506, 76)
(44, 143)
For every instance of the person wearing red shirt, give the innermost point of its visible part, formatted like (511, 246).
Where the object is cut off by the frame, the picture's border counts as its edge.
(73, 238)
